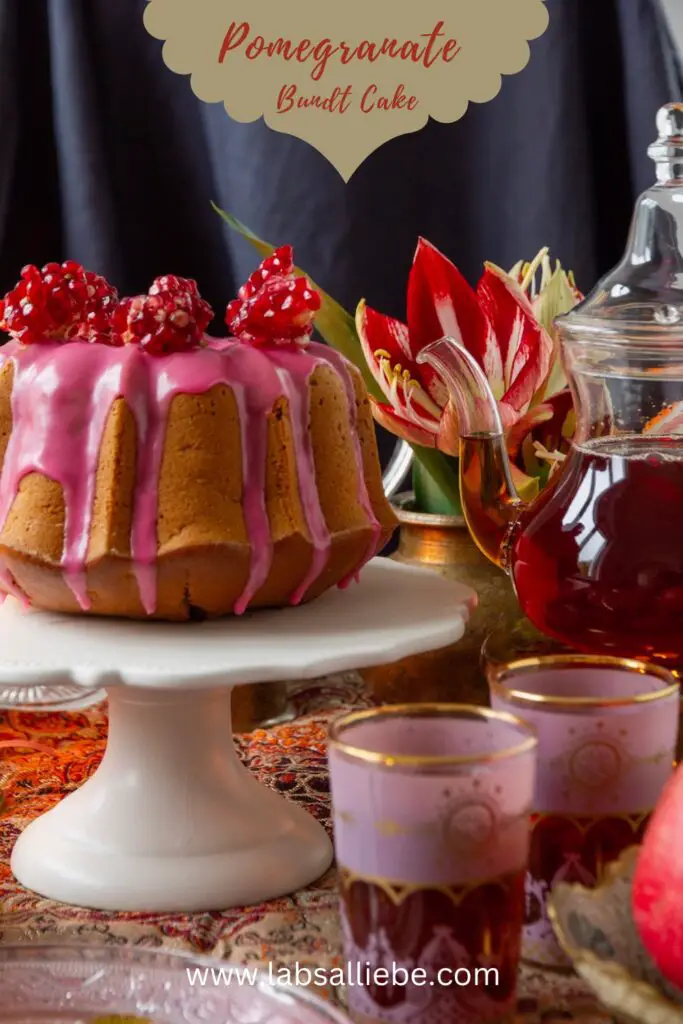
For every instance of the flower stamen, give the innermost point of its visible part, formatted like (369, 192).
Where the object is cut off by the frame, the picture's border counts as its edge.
(555, 458)
(403, 391)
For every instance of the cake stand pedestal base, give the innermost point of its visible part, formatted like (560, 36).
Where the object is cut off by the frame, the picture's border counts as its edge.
(171, 818)
(172, 821)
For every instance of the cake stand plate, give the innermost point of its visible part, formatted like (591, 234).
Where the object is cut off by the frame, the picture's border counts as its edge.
(171, 820)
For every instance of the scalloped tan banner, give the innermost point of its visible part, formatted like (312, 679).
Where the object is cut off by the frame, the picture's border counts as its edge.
(349, 75)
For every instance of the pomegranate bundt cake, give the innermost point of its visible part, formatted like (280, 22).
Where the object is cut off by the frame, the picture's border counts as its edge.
(151, 471)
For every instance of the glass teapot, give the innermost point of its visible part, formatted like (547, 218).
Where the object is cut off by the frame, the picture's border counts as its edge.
(597, 558)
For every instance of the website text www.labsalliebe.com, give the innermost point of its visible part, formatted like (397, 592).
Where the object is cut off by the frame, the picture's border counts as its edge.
(355, 975)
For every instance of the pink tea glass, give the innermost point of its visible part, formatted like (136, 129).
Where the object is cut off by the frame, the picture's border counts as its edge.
(431, 807)
(607, 731)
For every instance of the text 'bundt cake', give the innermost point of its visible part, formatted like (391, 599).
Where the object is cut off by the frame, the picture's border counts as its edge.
(151, 471)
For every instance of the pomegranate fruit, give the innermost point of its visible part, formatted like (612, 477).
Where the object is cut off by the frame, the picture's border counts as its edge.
(95, 324)
(275, 306)
(280, 263)
(58, 301)
(657, 893)
(172, 317)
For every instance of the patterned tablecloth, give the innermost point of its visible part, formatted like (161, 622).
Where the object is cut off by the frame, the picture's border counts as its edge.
(302, 928)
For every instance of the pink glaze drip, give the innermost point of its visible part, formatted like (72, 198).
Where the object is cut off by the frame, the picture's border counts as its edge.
(342, 367)
(256, 394)
(148, 396)
(288, 364)
(61, 399)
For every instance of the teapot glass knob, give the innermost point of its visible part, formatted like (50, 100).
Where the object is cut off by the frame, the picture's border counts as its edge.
(667, 151)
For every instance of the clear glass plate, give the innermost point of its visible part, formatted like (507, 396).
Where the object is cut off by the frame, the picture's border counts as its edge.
(49, 697)
(81, 985)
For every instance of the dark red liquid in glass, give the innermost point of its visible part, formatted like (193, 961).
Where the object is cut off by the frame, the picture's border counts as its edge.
(436, 932)
(578, 848)
(598, 560)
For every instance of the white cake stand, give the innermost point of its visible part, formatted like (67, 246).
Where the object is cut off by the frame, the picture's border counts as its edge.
(172, 820)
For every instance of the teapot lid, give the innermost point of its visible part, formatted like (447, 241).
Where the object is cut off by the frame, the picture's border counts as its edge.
(641, 300)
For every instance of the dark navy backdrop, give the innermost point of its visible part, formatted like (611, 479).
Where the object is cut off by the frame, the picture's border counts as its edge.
(107, 157)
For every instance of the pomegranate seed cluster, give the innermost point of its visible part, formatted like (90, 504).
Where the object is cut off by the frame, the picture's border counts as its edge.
(275, 306)
(172, 317)
(66, 302)
(60, 301)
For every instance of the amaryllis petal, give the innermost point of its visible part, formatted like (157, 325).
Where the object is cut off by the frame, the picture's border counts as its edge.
(560, 427)
(528, 277)
(557, 378)
(524, 426)
(518, 271)
(556, 297)
(386, 347)
(379, 333)
(553, 293)
(395, 424)
(441, 302)
(448, 437)
(525, 347)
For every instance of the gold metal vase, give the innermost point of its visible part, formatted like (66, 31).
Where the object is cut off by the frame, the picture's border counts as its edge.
(261, 705)
(443, 543)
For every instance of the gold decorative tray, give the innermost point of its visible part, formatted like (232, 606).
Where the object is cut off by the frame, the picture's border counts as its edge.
(596, 930)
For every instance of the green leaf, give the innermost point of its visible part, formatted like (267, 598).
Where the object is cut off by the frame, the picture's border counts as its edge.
(333, 323)
(436, 482)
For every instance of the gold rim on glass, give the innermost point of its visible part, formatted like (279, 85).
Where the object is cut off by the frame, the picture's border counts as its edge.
(498, 677)
(338, 728)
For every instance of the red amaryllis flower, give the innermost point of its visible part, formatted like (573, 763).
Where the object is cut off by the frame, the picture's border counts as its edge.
(506, 324)
(496, 323)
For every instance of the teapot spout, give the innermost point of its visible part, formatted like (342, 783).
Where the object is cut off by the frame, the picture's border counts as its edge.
(489, 499)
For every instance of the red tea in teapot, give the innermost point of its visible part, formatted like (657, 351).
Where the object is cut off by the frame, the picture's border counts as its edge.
(598, 562)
